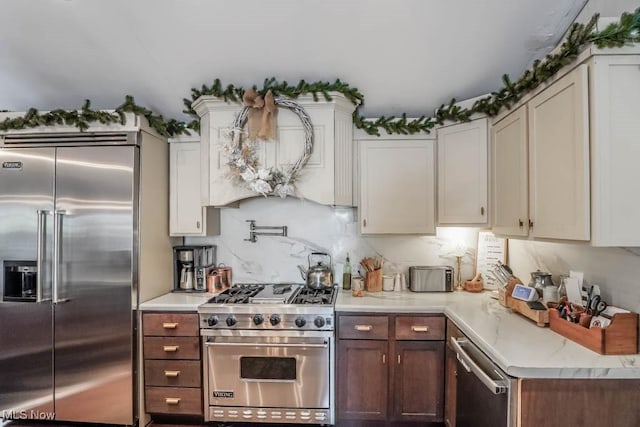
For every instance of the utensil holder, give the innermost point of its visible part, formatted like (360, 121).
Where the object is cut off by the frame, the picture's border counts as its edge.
(373, 281)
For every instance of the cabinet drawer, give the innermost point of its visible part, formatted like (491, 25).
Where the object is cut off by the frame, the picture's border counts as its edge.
(172, 373)
(173, 400)
(364, 327)
(420, 327)
(170, 324)
(172, 348)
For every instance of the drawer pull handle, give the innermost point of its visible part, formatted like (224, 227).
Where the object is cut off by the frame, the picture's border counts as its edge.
(363, 328)
(172, 400)
(171, 348)
(415, 328)
(168, 325)
(171, 374)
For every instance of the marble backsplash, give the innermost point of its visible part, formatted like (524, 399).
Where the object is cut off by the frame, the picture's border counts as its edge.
(312, 227)
(615, 270)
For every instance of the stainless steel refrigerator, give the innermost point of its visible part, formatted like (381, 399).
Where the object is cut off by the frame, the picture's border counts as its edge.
(72, 214)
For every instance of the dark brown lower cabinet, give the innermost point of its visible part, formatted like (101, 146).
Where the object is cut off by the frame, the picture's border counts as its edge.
(363, 379)
(390, 369)
(419, 379)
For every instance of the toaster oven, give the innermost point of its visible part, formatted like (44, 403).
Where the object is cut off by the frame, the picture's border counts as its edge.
(437, 278)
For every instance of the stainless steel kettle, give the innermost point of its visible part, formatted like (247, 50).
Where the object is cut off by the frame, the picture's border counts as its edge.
(320, 275)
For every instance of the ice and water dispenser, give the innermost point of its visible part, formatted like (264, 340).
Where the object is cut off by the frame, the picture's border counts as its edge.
(20, 281)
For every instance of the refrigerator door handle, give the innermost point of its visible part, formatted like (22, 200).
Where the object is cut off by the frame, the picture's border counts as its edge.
(57, 242)
(42, 215)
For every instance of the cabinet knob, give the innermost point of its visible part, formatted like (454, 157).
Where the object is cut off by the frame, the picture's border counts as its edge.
(170, 348)
(415, 328)
(198, 224)
(530, 224)
(171, 374)
(168, 325)
(481, 210)
(398, 359)
(384, 359)
(363, 328)
(520, 223)
(364, 222)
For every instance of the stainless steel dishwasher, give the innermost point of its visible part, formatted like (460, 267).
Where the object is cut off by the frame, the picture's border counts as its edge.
(486, 396)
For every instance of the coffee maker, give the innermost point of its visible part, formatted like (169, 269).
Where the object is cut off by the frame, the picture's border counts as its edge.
(20, 281)
(191, 265)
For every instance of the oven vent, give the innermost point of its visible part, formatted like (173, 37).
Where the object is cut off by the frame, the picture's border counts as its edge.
(79, 138)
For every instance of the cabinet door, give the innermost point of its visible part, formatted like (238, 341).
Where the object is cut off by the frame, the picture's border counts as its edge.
(451, 367)
(462, 173)
(510, 195)
(397, 187)
(559, 159)
(419, 381)
(184, 187)
(362, 380)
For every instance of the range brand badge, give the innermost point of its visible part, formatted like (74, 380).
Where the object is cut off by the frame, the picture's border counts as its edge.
(225, 394)
(12, 165)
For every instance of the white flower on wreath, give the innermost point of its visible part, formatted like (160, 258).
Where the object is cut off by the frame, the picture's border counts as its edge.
(249, 175)
(264, 174)
(261, 186)
(283, 190)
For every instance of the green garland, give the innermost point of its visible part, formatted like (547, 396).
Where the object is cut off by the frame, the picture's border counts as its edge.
(85, 115)
(624, 32)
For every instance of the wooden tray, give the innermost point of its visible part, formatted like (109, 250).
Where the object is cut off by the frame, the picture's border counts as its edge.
(620, 337)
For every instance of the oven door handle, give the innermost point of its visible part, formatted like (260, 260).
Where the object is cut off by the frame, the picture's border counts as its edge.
(249, 344)
(496, 387)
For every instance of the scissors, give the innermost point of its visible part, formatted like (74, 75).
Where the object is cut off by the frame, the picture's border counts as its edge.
(596, 305)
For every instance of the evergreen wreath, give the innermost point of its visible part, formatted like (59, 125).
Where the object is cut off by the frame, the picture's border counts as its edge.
(243, 159)
(617, 34)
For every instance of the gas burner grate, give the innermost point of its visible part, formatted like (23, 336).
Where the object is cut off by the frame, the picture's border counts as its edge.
(314, 296)
(237, 294)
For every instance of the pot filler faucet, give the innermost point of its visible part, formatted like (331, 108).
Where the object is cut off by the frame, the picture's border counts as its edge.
(253, 233)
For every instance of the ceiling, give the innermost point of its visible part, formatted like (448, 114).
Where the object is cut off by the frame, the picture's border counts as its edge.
(404, 55)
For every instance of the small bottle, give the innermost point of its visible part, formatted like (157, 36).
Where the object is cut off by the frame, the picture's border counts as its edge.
(346, 275)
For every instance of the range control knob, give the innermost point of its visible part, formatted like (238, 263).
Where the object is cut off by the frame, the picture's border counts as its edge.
(258, 319)
(231, 321)
(212, 320)
(274, 319)
(319, 321)
(300, 322)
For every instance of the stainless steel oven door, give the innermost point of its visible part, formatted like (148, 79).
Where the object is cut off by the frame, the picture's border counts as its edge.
(267, 371)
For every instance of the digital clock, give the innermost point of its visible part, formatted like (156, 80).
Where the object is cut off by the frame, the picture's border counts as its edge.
(524, 293)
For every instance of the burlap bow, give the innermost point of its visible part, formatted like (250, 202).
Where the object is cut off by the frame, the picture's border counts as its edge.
(262, 116)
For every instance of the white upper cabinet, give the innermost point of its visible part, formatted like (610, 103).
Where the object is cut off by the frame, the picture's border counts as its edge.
(559, 159)
(583, 152)
(462, 174)
(187, 217)
(326, 179)
(397, 186)
(510, 174)
(615, 149)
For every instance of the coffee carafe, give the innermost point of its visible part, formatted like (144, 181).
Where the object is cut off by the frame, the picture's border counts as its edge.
(186, 277)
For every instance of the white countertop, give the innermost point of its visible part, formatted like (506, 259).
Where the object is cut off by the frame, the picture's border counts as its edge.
(515, 343)
(176, 301)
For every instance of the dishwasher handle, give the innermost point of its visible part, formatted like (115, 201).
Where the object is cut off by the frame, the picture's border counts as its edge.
(496, 387)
